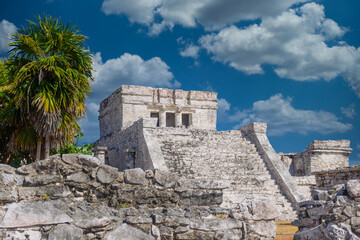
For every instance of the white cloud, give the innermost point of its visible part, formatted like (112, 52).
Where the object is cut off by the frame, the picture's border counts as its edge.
(111, 74)
(6, 29)
(131, 69)
(294, 42)
(141, 11)
(283, 118)
(349, 111)
(212, 14)
(190, 50)
(223, 105)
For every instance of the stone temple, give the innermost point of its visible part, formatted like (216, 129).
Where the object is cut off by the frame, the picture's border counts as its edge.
(175, 130)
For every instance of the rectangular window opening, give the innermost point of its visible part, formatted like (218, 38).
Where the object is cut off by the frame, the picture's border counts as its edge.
(155, 115)
(170, 119)
(185, 119)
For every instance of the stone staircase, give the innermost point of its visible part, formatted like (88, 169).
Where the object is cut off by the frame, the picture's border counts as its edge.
(225, 155)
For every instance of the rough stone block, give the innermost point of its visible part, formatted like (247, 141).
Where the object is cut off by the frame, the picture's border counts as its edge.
(106, 174)
(39, 180)
(21, 235)
(126, 232)
(216, 224)
(89, 161)
(8, 194)
(263, 228)
(135, 176)
(165, 179)
(65, 231)
(4, 168)
(79, 177)
(353, 188)
(26, 214)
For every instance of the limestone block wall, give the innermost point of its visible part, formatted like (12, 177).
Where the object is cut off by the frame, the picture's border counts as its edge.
(75, 196)
(321, 155)
(225, 155)
(335, 214)
(328, 179)
(131, 103)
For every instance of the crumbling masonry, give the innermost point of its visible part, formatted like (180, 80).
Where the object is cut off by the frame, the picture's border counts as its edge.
(175, 130)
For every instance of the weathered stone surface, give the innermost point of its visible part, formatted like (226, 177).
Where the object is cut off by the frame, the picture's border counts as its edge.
(165, 179)
(8, 194)
(50, 191)
(235, 234)
(106, 174)
(21, 235)
(135, 176)
(263, 228)
(342, 232)
(26, 214)
(4, 168)
(126, 232)
(65, 231)
(264, 209)
(41, 180)
(215, 224)
(88, 204)
(353, 188)
(309, 233)
(89, 161)
(78, 177)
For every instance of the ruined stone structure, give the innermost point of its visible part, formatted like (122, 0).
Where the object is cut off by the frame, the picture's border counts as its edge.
(77, 197)
(319, 156)
(175, 130)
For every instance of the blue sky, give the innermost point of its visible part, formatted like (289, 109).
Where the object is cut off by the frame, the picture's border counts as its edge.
(294, 64)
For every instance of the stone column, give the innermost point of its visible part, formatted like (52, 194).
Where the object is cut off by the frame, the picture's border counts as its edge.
(100, 153)
(178, 119)
(162, 119)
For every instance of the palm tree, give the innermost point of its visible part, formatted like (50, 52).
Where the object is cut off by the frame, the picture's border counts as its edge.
(49, 69)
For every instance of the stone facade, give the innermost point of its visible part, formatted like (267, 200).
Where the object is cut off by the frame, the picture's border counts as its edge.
(319, 156)
(168, 108)
(77, 197)
(144, 127)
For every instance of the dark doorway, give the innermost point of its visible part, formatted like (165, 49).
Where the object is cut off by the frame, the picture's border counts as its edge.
(170, 119)
(185, 119)
(155, 115)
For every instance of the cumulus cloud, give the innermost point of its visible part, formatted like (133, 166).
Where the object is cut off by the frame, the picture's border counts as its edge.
(283, 118)
(111, 74)
(131, 69)
(223, 105)
(6, 29)
(349, 111)
(140, 11)
(190, 50)
(212, 14)
(294, 42)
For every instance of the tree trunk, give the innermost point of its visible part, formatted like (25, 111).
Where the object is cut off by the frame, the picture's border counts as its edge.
(38, 149)
(47, 146)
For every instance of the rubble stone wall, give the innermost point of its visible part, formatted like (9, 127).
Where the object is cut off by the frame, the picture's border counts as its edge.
(328, 179)
(333, 214)
(76, 197)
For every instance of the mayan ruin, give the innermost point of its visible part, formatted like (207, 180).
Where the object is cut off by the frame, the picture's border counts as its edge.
(161, 170)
